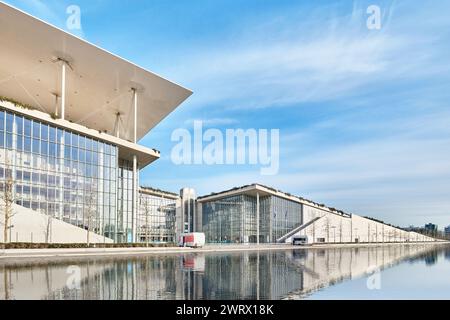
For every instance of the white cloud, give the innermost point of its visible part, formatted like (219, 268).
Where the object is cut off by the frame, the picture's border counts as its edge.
(390, 89)
(335, 58)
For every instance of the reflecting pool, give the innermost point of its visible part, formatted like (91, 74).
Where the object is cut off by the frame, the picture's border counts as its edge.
(377, 272)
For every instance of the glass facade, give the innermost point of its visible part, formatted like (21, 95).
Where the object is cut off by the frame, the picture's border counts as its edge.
(125, 202)
(229, 220)
(66, 175)
(286, 215)
(233, 219)
(156, 219)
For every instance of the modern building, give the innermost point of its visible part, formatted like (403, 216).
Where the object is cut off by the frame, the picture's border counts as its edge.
(157, 216)
(260, 214)
(447, 232)
(71, 118)
(431, 229)
(187, 218)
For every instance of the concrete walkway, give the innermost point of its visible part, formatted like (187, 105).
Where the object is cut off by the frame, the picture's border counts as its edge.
(72, 253)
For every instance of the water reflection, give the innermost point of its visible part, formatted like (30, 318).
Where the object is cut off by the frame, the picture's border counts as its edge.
(447, 254)
(245, 275)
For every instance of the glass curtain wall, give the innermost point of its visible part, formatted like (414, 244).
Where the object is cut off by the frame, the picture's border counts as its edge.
(286, 216)
(156, 219)
(125, 202)
(230, 220)
(60, 173)
(233, 219)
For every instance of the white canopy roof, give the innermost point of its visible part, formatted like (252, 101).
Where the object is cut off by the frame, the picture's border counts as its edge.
(99, 84)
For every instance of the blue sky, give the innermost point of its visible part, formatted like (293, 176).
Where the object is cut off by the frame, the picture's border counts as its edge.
(363, 114)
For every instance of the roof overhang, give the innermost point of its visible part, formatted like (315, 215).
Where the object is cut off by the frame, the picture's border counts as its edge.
(99, 84)
(263, 191)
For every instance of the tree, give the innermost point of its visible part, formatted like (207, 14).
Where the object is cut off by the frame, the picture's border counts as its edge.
(7, 201)
(48, 222)
(147, 211)
(90, 210)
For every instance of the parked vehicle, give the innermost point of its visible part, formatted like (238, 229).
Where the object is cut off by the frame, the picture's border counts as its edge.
(192, 240)
(300, 241)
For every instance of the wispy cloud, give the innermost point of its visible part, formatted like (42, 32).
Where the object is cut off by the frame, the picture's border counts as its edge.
(363, 114)
(336, 58)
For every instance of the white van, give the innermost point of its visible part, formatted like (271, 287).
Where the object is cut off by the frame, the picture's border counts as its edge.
(192, 240)
(300, 241)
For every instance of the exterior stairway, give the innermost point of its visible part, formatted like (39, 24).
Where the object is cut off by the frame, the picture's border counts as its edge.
(296, 230)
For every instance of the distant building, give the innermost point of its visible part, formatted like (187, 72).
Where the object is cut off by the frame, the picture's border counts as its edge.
(156, 220)
(260, 214)
(447, 232)
(187, 218)
(431, 228)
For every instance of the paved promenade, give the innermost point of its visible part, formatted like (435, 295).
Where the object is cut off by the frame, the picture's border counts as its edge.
(112, 252)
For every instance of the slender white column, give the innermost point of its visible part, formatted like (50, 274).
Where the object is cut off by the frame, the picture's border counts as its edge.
(63, 91)
(135, 198)
(257, 218)
(135, 114)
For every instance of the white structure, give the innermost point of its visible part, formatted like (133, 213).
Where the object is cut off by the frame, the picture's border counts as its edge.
(260, 214)
(71, 117)
(157, 216)
(332, 228)
(187, 214)
(29, 226)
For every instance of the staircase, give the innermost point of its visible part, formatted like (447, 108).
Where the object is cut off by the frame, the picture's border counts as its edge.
(296, 230)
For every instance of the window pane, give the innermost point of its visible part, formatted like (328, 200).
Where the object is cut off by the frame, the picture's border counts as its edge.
(52, 149)
(44, 148)
(36, 130)
(74, 140)
(60, 136)
(19, 125)
(9, 122)
(82, 142)
(52, 134)
(44, 132)
(2, 121)
(19, 143)
(27, 127)
(27, 144)
(9, 140)
(67, 139)
(74, 154)
(88, 144)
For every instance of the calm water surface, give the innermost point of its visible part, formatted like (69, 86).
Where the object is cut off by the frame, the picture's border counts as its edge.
(384, 272)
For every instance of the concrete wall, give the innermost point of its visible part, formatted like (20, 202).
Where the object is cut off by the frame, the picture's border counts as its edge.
(31, 226)
(310, 213)
(333, 228)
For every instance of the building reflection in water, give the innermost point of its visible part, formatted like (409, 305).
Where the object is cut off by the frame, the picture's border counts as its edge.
(245, 275)
(447, 254)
